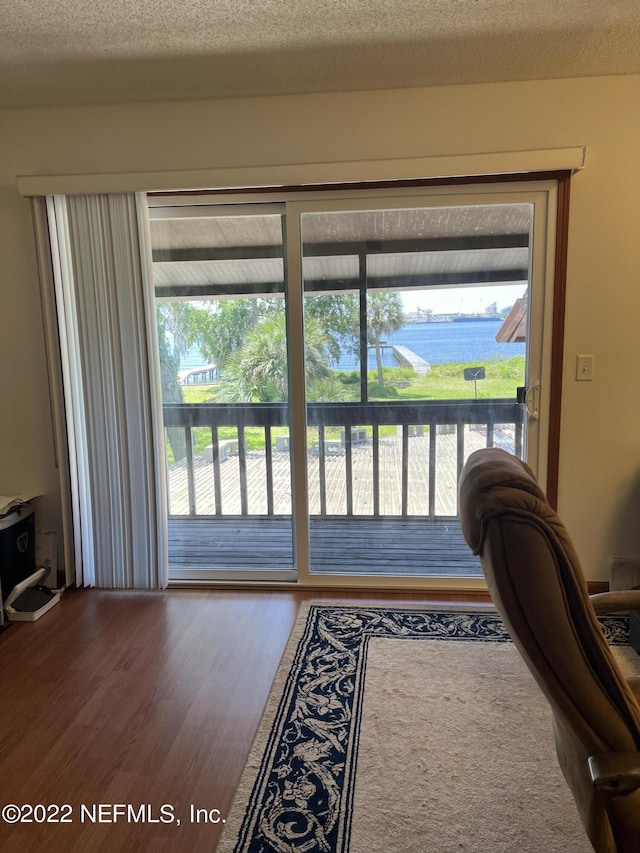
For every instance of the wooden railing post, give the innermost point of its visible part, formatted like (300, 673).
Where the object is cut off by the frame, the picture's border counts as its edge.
(242, 465)
(217, 482)
(376, 469)
(268, 449)
(322, 472)
(490, 434)
(190, 476)
(403, 416)
(432, 469)
(348, 468)
(405, 470)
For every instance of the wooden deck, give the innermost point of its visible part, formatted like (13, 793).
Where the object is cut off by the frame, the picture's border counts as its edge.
(414, 530)
(390, 450)
(348, 545)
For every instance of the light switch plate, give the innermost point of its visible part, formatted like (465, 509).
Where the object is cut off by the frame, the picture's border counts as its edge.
(584, 368)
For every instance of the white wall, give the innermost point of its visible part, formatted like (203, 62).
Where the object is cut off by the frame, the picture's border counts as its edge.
(600, 442)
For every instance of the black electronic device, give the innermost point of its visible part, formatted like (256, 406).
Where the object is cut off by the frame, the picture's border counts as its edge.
(17, 548)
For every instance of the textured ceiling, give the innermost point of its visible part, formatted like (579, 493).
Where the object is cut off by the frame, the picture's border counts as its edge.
(75, 51)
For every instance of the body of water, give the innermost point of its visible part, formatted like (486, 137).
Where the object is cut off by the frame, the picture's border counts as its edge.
(436, 343)
(444, 343)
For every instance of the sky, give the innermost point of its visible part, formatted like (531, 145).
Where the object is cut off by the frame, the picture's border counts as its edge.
(453, 300)
(463, 300)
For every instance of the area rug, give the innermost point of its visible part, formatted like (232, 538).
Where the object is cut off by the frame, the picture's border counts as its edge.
(404, 730)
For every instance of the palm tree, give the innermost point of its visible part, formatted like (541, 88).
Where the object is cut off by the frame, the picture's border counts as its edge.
(257, 371)
(384, 316)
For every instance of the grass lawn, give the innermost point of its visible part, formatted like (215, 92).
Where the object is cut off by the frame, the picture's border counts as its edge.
(443, 382)
(447, 382)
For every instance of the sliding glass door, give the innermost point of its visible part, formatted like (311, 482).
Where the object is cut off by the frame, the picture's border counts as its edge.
(218, 276)
(319, 401)
(415, 301)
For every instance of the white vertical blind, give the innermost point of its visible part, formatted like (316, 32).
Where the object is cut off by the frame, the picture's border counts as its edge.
(110, 374)
(54, 366)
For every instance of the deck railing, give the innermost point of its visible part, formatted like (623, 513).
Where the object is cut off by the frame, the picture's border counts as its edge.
(430, 416)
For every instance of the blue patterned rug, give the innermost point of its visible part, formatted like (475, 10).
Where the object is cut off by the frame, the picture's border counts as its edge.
(301, 796)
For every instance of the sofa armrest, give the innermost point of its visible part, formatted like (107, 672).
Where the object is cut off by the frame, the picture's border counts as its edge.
(614, 602)
(615, 772)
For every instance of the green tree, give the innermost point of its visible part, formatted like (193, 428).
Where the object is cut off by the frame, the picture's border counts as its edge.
(247, 341)
(326, 389)
(384, 316)
(169, 352)
(257, 372)
(177, 320)
(338, 316)
(216, 327)
(220, 328)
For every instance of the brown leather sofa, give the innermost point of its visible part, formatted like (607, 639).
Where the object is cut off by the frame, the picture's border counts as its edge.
(536, 582)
